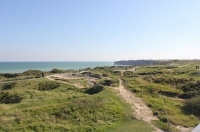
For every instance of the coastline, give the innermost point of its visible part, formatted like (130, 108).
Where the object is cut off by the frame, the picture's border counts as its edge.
(18, 67)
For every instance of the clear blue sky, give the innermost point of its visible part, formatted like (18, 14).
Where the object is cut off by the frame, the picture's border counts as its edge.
(99, 30)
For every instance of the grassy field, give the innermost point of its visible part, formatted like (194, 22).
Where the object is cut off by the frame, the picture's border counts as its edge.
(44, 105)
(171, 91)
(162, 89)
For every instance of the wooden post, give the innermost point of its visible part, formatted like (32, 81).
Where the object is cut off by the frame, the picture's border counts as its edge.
(166, 114)
(142, 91)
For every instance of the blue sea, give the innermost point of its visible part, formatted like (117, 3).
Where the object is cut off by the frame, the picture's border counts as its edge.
(18, 67)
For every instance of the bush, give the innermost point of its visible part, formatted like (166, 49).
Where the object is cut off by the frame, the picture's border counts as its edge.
(55, 70)
(105, 75)
(109, 82)
(7, 86)
(190, 90)
(47, 85)
(89, 111)
(192, 106)
(196, 74)
(95, 90)
(161, 125)
(7, 98)
(169, 93)
(117, 73)
(128, 74)
(9, 75)
(95, 76)
(36, 73)
(187, 95)
(191, 87)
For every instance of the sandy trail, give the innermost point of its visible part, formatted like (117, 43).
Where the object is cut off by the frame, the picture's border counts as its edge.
(54, 77)
(141, 111)
(62, 77)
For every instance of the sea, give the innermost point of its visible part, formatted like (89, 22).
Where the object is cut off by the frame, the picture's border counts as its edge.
(18, 67)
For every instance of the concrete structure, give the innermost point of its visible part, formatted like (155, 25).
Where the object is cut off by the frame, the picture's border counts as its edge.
(196, 129)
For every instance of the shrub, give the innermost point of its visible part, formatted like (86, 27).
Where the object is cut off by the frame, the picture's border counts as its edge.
(55, 70)
(161, 125)
(9, 75)
(95, 76)
(128, 74)
(196, 74)
(95, 89)
(191, 87)
(117, 73)
(47, 85)
(89, 111)
(37, 73)
(7, 98)
(105, 75)
(190, 90)
(8, 86)
(169, 93)
(187, 95)
(109, 82)
(192, 106)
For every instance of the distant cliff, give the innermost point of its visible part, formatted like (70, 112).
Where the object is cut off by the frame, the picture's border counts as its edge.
(153, 62)
(135, 62)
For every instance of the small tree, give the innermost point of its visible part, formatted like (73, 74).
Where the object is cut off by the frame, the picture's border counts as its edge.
(55, 70)
(192, 106)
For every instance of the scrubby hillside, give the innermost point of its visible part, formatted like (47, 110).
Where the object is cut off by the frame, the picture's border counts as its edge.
(172, 92)
(85, 103)
(41, 105)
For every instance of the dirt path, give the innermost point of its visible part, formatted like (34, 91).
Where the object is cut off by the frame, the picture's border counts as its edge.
(184, 129)
(52, 78)
(122, 71)
(142, 112)
(64, 77)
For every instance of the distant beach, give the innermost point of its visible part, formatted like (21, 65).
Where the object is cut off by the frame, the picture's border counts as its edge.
(17, 67)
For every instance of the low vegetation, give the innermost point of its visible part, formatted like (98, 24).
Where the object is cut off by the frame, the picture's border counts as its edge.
(55, 70)
(7, 98)
(46, 85)
(29, 102)
(192, 106)
(172, 92)
(42, 105)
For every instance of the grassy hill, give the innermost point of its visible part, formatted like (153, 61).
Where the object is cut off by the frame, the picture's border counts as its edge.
(42, 105)
(31, 103)
(171, 91)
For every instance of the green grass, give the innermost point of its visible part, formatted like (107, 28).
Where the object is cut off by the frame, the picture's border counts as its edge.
(153, 93)
(131, 126)
(50, 106)
(128, 123)
(62, 107)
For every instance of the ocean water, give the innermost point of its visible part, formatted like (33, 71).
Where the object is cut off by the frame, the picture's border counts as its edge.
(17, 67)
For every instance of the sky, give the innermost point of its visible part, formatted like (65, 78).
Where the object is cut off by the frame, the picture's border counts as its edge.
(99, 30)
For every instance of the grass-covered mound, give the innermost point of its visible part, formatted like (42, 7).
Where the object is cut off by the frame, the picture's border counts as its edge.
(172, 93)
(192, 106)
(167, 93)
(95, 90)
(89, 113)
(47, 85)
(190, 90)
(30, 74)
(7, 98)
(6, 86)
(51, 106)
